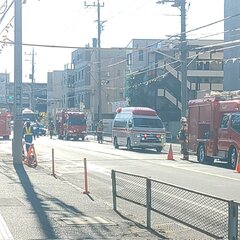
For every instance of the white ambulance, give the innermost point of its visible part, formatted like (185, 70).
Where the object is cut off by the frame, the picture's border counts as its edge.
(138, 127)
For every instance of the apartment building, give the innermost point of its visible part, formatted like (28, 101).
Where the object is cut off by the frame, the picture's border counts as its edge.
(54, 93)
(232, 45)
(4, 90)
(155, 69)
(87, 75)
(148, 72)
(34, 96)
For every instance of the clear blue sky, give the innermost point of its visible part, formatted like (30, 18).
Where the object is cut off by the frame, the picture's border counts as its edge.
(70, 23)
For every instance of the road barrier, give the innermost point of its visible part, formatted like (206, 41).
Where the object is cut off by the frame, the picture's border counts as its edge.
(170, 153)
(85, 177)
(210, 215)
(31, 159)
(53, 163)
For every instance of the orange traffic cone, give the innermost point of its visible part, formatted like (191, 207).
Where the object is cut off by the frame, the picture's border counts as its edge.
(170, 153)
(31, 159)
(238, 167)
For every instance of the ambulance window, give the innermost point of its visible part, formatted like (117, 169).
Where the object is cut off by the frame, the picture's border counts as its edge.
(224, 122)
(236, 122)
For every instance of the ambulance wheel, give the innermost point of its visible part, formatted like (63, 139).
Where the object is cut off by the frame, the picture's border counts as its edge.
(129, 146)
(232, 158)
(201, 155)
(115, 143)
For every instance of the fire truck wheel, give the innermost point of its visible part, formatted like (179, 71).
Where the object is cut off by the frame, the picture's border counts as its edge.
(232, 158)
(201, 155)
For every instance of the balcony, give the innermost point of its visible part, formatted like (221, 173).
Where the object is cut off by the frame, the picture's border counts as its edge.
(205, 73)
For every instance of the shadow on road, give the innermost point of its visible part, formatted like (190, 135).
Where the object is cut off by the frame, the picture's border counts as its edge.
(35, 201)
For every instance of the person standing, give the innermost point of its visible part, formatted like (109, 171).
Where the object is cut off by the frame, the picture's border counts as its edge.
(28, 134)
(37, 129)
(100, 131)
(183, 138)
(51, 128)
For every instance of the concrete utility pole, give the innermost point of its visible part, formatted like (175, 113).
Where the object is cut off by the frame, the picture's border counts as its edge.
(183, 48)
(33, 82)
(31, 76)
(99, 56)
(17, 137)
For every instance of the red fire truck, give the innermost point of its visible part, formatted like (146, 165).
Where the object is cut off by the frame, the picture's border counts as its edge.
(214, 128)
(5, 124)
(71, 123)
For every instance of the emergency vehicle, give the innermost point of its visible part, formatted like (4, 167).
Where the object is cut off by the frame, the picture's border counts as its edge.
(5, 124)
(71, 123)
(138, 127)
(214, 128)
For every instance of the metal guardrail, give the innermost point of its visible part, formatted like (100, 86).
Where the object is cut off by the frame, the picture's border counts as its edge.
(210, 215)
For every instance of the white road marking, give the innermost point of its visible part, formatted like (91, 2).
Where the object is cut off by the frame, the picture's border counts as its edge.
(208, 173)
(5, 234)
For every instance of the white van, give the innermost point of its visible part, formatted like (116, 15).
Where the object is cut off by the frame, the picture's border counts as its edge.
(138, 127)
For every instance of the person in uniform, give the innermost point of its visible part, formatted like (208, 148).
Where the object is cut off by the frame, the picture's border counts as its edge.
(100, 131)
(28, 134)
(183, 138)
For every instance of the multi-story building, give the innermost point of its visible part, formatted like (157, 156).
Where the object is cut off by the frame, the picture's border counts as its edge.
(155, 74)
(232, 45)
(68, 87)
(55, 94)
(148, 74)
(34, 96)
(4, 91)
(87, 75)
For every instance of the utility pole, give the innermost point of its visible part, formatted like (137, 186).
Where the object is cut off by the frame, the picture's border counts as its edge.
(17, 131)
(98, 5)
(183, 49)
(31, 77)
(33, 82)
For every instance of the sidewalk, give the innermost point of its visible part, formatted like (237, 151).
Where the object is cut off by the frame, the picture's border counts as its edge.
(36, 205)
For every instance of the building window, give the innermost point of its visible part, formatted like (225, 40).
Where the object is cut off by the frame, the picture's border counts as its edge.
(140, 55)
(129, 59)
(199, 65)
(206, 66)
(121, 95)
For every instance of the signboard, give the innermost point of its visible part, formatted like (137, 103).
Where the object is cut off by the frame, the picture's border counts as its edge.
(118, 104)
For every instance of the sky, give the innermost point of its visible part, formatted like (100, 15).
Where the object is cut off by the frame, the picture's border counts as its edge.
(70, 23)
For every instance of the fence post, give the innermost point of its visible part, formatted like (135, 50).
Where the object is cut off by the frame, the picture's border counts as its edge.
(149, 200)
(85, 176)
(232, 220)
(53, 164)
(114, 190)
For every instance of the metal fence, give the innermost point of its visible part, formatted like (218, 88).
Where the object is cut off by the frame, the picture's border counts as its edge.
(211, 215)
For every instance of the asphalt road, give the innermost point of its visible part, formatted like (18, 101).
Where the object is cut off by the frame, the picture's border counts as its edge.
(69, 157)
(215, 180)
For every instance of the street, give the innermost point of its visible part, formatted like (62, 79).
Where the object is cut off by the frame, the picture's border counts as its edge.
(69, 156)
(214, 180)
